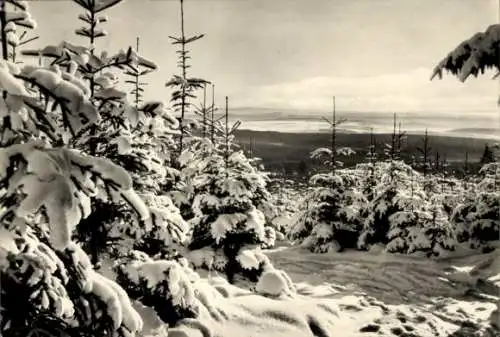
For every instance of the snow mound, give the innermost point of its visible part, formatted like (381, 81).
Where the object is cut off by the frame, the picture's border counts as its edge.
(252, 259)
(274, 283)
(254, 315)
(247, 259)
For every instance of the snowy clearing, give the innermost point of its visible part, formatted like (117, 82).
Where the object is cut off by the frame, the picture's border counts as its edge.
(387, 277)
(356, 294)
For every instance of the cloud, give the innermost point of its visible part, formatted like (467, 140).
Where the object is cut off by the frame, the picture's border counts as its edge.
(408, 91)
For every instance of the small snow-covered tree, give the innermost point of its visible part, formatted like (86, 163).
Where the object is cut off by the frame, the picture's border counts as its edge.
(477, 217)
(372, 158)
(445, 189)
(205, 113)
(395, 191)
(403, 216)
(331, 220)
(279, 209)
(423, 227)
(435, 235)
(184, 86)
(225, 196)
(393, 178)
(425, 154)
(139, 149)
(333, 206)
(368, 180)
(488, 155)
(224, 190)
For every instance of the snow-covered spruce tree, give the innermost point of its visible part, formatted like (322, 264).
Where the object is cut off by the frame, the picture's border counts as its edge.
(268, 204)
(271, 205)
(136, 147)
(225, 191)
(477, 217)
(422, 227)
(279, 210)
(366, 175)
(330, 218)
(401, 215)
(131, 137)
(139, 148)
(83, 64)
(424, 163)
(183, 86)
(331, 221)
(396, 183)
(488, 155)
(205, 113)
(198, 145)
(392, 177)
(264, 201)
(371, 156)
(150, 138)
(225, 216)
(444, 189)
(48, 284)
(367, 179)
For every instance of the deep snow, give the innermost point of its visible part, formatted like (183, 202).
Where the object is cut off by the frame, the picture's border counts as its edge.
(354, 294)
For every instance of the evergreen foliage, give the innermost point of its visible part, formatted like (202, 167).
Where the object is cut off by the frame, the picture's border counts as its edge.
(183, 85)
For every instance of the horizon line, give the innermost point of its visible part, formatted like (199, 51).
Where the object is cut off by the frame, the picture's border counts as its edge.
(357, 110)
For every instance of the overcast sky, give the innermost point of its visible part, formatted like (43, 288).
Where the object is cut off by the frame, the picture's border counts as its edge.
(374, 55)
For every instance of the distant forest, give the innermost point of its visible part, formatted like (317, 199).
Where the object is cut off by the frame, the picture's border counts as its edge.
(289, 153)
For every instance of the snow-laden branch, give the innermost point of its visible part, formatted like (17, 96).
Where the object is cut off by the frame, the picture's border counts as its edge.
(473, 56)
(62, 181)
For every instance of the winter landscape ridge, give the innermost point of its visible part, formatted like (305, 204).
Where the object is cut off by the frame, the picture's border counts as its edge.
(444, 123)
(125, 214)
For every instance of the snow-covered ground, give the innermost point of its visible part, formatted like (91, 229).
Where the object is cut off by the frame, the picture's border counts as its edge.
(388, 277)
(355, 294)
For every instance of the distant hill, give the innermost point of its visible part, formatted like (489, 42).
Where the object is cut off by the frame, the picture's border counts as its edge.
(438, 123)
(476, 131)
